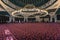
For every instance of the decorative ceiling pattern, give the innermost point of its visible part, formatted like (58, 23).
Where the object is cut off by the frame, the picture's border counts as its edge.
(22, 3)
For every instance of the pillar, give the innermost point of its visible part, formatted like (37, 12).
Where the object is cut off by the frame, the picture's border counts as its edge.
(10, 19)
(13, 19)
(51, 18)
(55, 18)
(25, 19)
(37, 18)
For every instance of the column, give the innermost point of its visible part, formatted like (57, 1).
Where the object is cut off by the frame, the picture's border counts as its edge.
(10, 19)
(19, 21)
(13, 19)
(55, 18)
(51, 18)
(25, 19)
(37, 18)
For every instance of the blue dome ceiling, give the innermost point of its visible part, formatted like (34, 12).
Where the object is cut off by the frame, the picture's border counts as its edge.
(22, 3)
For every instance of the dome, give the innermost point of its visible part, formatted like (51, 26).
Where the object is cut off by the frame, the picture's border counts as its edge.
(22, 3)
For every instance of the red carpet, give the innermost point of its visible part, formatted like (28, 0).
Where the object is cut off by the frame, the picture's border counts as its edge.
(31, 31)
